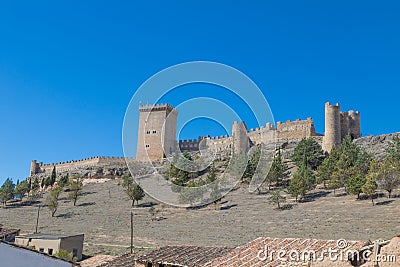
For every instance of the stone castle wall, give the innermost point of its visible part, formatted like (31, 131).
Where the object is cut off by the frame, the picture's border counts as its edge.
(72, 165)
(241, 139)
(157, 130)
(295, 129)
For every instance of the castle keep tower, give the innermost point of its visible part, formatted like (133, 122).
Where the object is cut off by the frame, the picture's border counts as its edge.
(157, 132)
(338, 125)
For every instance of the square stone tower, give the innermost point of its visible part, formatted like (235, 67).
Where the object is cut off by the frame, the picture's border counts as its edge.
(156, 132)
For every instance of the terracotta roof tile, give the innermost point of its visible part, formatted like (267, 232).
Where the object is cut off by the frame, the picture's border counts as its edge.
(96, 260)
(190, 256)
(248, 255)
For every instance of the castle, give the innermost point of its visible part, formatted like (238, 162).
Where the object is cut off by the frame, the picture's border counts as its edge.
(157, 136)
(157, 132)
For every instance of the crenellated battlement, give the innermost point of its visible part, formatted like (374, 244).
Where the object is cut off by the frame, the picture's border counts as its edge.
(296, 129)
(190, 144)
(156, 107)
(157, 136)
(69, 165)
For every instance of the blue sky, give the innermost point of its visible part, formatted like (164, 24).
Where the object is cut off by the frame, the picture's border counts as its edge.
(69, 68)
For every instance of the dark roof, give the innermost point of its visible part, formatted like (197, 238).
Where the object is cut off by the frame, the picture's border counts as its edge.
(190, 256)
(6, 232)
(46, 236)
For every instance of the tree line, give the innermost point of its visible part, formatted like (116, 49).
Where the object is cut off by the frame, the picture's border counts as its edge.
(349, 166)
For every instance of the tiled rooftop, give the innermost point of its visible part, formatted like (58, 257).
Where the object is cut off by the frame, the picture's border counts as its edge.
(248, 255)
(190, 256)
(96, 260)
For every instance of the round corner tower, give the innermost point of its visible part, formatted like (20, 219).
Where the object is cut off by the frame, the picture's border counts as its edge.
(333, 132)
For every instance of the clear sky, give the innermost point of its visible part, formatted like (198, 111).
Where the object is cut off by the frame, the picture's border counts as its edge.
(69, 68)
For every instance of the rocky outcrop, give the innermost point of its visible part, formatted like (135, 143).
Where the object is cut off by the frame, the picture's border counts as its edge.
(376, 145)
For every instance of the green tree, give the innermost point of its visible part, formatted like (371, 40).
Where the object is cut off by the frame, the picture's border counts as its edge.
(369, 188)
(52, 200)
(29, 184)
(344, 163)
(302, 182)
(7, 191)
(394, 149)
(354, 155)
(173, 171)
(276, 198)
(184, 170)
(75, 188)
(63, 180)
(133, 190)
(309, 149)
(355, 184)
(189, 195)
(327, 168)
(35, 185)
(21, 189)
(212, 174)
(53, 176)
(252, 164)
(278, 172)
(47, 182)
(388, 175)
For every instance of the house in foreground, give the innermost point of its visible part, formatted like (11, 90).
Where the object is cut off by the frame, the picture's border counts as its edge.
(15, 256)
(52, 244)
(271, 252)
(170, 256)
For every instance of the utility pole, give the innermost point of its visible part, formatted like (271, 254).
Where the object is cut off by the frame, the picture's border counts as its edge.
(37, 219)
(131, 231)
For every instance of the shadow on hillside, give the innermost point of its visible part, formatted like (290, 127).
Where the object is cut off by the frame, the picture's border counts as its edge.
(87, 193)
(313, 196)
(228, 207)
(365, 197)
(286, 207)
(66, 215)
(384, 203)
(21, 204)
(87, 204)
(146, 205)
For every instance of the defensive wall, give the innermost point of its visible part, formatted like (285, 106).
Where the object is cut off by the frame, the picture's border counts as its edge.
(157, 131)
(39, 167)
(241, 139)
